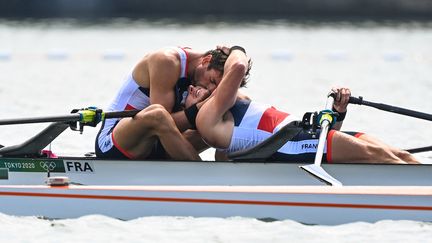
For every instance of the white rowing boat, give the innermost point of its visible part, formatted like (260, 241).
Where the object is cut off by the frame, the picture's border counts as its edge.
(92, 171)
(132, 189)
(267, 190)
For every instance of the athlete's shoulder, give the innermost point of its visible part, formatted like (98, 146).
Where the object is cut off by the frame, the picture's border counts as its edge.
(165, 60)
(168, 55)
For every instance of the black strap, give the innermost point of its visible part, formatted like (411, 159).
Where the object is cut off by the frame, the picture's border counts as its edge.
(181, 87)
(191, 114)
(340, 116)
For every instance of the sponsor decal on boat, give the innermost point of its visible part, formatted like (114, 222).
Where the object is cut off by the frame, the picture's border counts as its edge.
(32, 165)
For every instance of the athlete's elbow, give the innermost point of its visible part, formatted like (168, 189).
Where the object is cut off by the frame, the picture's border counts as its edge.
(238, 67)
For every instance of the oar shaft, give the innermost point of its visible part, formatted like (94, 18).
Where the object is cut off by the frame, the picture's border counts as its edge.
(321, 142)
(64, 118)
(73, 117)
(390, 108)
(323, 135)
(120, 114)
(419, 150)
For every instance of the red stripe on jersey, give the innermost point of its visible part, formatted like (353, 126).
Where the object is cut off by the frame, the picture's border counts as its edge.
(129, 107)
(270, 119)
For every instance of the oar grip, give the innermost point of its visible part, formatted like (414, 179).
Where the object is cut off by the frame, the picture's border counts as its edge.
(352, 99)
(355, 100)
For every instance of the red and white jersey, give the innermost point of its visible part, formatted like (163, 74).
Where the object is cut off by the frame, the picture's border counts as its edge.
(254, 122)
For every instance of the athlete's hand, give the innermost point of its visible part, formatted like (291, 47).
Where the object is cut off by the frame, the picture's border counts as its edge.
(341, 99)
(224, 48)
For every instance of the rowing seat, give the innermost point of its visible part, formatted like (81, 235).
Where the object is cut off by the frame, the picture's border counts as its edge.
(264, 150)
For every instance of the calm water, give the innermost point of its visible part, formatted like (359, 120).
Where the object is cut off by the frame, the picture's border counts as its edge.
(48, 68)
(96, 228)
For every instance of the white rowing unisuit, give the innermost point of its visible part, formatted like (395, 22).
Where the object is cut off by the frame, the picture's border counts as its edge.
(130, 97)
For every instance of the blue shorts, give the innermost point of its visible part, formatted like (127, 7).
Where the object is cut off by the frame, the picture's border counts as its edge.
(158, 152)
(113, 151)
(306, 145)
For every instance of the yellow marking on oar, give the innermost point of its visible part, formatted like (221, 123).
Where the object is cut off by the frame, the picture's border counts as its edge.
(326, 116)
(87, 116)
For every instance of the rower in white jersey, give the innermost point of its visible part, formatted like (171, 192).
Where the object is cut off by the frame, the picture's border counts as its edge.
(155, 87)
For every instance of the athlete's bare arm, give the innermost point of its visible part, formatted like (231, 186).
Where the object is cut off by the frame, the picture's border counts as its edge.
(160, 71)
(164, 71)
(210, 119)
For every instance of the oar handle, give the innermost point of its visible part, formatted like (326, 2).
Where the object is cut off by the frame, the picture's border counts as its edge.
(390, 108)
(352, 99)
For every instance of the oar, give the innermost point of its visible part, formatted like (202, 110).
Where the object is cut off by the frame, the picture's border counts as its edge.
(315, 169)
(84, 116)
(390, 108)
(398, 110)
(419, 150)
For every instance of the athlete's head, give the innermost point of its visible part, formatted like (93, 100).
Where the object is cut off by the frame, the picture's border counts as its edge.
(209, 73)
(195, 94)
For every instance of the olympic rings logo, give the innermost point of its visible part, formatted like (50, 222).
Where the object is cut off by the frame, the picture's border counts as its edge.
(48, 166)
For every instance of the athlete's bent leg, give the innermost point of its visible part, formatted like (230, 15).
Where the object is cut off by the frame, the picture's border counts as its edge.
(346, 148)
(138, 135)
(403, 155)
(173, 141)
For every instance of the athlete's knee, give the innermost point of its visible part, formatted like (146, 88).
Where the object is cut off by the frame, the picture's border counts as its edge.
(160, 114)
(153, 117)
(154, 107)
(153, 113)
(405, 155)
(162, 120)
(375, 152)
(401, 153)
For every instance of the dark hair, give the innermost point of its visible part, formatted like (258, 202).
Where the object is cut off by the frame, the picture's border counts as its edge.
(218, 60)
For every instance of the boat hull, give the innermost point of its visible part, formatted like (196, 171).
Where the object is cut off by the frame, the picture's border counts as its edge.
(306, 204)
(132, 189)
(90, 171)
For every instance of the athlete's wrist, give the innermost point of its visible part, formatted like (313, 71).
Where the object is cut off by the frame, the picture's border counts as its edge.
(341, 115)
